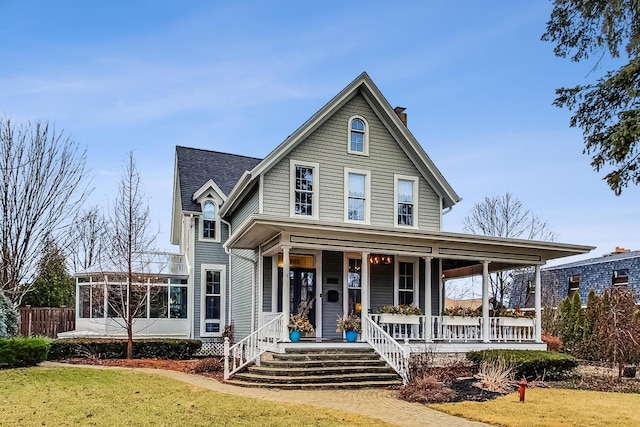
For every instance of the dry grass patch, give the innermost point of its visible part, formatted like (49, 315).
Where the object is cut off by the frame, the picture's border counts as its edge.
(552, 407)
(88, 397)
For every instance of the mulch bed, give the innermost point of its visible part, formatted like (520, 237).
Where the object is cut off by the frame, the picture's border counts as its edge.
(466, 391)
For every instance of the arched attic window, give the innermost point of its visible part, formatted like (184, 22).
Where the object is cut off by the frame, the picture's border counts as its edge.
(358, 136)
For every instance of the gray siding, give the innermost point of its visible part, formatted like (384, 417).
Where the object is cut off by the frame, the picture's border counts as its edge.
(241, 288)
(207, 253)
(381, 280)
(267, 277)
(250, 205)
(328, 146)
(332, 278)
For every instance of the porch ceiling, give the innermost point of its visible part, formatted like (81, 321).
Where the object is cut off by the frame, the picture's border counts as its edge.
(462, 252)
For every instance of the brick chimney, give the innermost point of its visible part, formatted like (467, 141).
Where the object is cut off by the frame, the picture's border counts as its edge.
(620, 250)
(400, 112)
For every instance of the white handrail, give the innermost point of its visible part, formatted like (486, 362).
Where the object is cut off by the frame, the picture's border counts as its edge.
(389, 349)
(251, 347)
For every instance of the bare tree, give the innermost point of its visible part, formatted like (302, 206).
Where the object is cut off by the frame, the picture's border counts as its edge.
(128, 243)
(42, 182)
(505, 216)
(86, 239)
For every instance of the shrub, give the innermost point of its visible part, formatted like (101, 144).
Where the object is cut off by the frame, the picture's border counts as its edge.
(210, 364)
(553, 343)
(529, 363)
(21, 352)
(495, 375)
(426, 389)
(8, 317)
(117, 348)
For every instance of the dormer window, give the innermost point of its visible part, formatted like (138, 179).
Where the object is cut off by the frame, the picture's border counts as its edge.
(358, 136)
(210, 220)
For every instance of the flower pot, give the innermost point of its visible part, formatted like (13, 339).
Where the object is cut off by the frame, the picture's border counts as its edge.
(406, 319)
(515, 321)
(294, 336)
(351, 336)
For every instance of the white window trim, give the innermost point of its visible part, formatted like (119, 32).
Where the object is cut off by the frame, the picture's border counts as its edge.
(367, 195)
(416, 279)
(346, 256)
(223, 287)
(292, 188)
(365, 148)
(416, 189)
(201, 237)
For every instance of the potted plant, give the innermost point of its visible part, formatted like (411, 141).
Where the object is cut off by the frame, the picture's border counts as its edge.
(298, 324)
(350, 325)
(405, 314)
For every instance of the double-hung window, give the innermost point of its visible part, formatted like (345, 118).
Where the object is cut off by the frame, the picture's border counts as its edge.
(209, 220)
(213, 294)
(358, 136)
(304, 189)
(357, 195)
(406, 190)
(406, 283)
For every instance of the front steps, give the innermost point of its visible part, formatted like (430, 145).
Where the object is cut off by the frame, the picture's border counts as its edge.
(319, 368)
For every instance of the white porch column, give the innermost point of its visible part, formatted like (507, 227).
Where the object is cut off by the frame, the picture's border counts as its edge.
(538, 305)
(428, 333)
(485, 301)
(364, 290)
(285, 293)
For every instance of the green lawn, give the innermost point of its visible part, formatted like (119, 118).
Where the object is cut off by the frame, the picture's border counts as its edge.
(88, 397)
(552, 407)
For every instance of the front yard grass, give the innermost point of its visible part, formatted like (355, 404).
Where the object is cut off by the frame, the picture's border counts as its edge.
(76, 396)
(552, 407)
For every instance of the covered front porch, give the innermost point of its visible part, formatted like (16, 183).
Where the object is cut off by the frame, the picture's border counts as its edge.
(333, 270)
(347, 268)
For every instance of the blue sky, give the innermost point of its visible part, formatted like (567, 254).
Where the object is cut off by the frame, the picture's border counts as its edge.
(239, 77)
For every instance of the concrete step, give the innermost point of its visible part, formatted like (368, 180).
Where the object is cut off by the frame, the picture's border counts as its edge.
(293, 364)
(319, 371)
(276, 380)
(317, 386)
(324, 356)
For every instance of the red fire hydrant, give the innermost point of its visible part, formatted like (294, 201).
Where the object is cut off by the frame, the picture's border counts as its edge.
(523, 387)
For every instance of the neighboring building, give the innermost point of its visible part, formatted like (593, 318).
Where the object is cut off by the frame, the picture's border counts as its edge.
(620, 268)
(349, 209)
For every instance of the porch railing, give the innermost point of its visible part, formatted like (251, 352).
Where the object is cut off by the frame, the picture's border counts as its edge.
(389, 349)
(465, 329)
(252, 347)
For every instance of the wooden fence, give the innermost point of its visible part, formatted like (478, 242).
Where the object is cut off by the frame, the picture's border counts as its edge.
(45, 321)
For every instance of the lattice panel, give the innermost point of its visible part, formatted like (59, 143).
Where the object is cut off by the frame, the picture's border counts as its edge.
(211, 349)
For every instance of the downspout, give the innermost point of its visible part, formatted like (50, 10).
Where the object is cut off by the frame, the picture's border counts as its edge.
(446, 210)
(253, 278)
(192, 309)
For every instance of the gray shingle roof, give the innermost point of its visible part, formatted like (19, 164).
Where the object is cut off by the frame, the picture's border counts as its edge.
(197, 166)
(604, 258)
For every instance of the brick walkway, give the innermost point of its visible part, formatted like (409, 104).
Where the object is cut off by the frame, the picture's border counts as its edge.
(374, 403)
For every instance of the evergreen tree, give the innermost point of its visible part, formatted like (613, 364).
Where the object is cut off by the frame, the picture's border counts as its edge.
(53, 286)
(8, 317)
